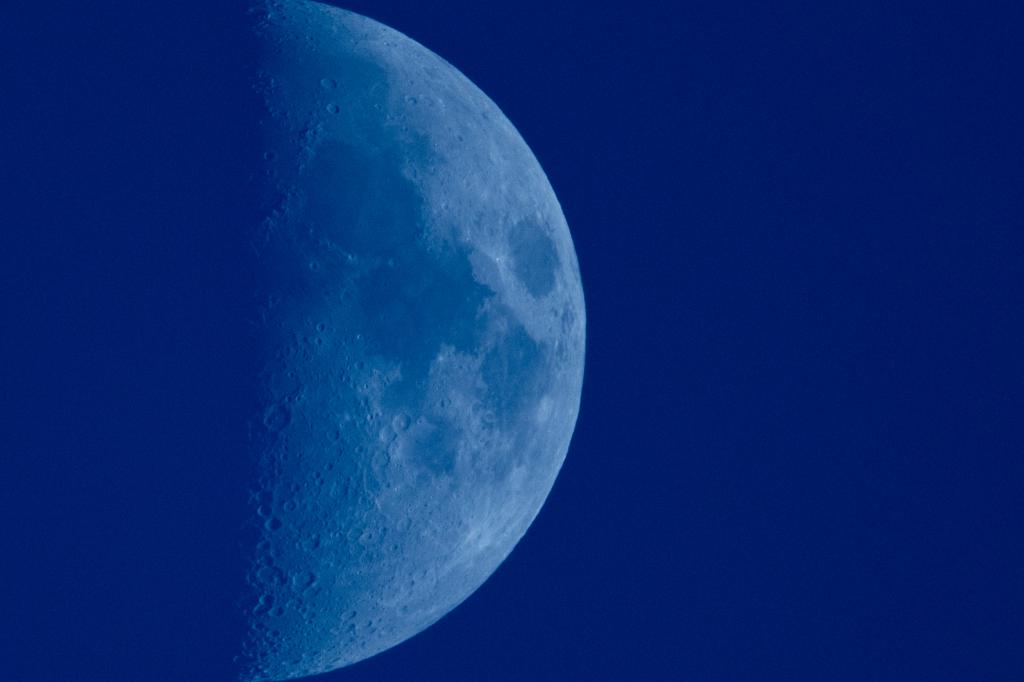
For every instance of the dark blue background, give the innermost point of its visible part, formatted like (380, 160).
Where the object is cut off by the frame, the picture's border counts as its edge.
(801, 233)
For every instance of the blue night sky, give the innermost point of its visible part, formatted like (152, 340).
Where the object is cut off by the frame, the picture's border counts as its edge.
(800, 228)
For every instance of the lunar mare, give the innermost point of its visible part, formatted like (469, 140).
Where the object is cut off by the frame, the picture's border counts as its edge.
(424, 327)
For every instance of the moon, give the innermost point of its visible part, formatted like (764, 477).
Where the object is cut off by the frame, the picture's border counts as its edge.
(422, 321)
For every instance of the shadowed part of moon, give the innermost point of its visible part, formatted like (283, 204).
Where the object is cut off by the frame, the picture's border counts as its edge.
(423, 324)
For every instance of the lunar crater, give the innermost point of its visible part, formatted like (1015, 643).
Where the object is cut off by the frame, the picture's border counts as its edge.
(535, 257)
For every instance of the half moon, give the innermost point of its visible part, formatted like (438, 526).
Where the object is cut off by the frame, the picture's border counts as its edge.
(424, 327)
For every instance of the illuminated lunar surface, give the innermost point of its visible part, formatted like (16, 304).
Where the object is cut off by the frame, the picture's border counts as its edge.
(424, 328)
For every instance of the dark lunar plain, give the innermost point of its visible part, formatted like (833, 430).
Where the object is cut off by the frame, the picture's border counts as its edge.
(800, 229)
